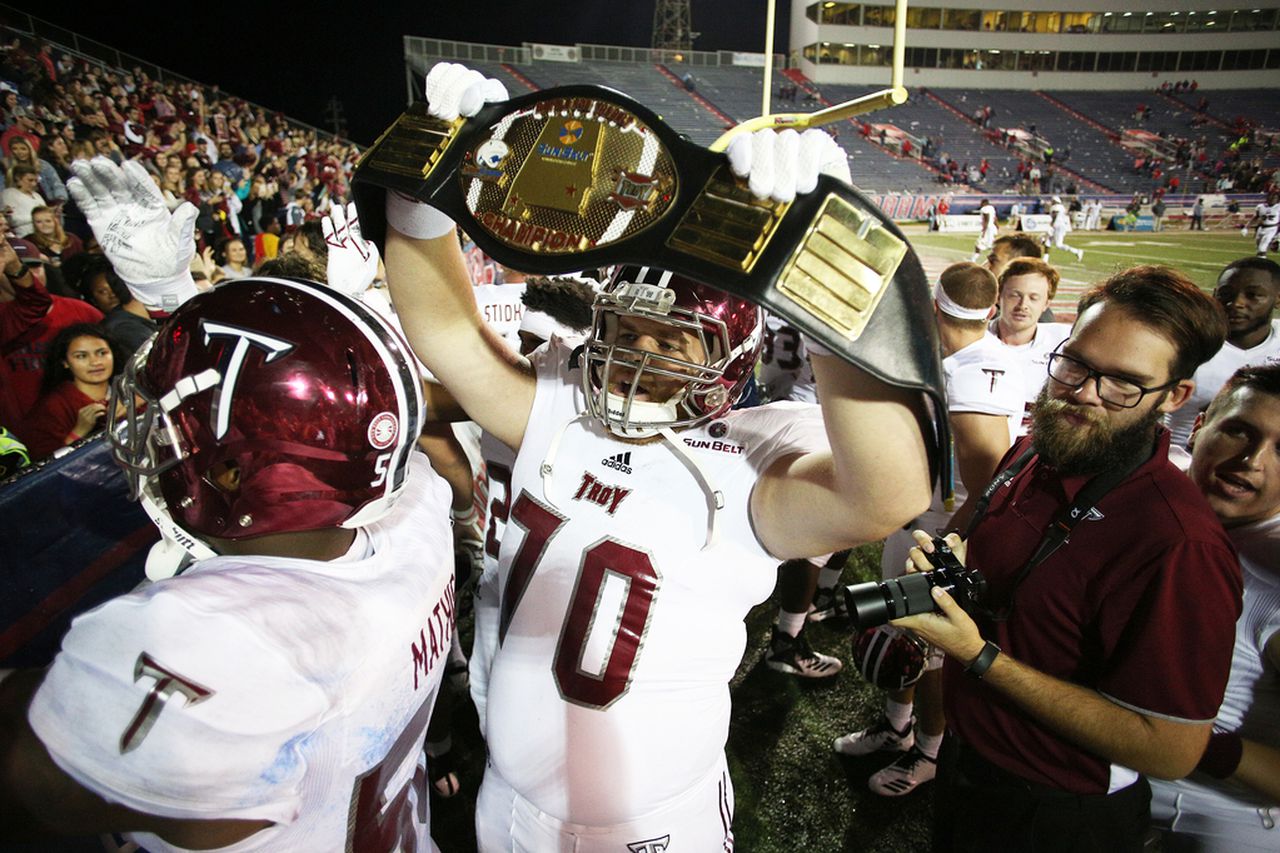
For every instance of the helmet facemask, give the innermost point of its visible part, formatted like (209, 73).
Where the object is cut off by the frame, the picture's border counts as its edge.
(612, 365)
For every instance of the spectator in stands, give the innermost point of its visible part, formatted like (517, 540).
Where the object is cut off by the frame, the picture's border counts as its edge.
(233, 257)
(1234, 463)
(24, 354)
(1059, 699)
(53, 241)
(1248, 291)
(21, 197)
(22, 305)
(73, 403)
(20, 152)
(124, 317)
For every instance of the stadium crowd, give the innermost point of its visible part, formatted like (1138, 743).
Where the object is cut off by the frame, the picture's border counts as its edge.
(1153, 376)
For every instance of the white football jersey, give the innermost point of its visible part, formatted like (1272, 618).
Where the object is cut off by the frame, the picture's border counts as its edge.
(991, 227)
(498, 462)
(785, 371)
(983, 378)
(1034, 359)
(620, 627)
(269, 688)
(986, 378)
(1251, 705)
(1059, 221)
(1213, 374)
(1268, 214)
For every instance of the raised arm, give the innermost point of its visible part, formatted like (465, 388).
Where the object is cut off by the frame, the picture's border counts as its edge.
(432, 291)
(876, 475)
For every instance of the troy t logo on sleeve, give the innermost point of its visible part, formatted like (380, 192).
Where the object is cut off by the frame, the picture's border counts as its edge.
(167, 683)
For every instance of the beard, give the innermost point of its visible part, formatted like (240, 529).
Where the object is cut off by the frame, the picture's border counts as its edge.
(1092, 448)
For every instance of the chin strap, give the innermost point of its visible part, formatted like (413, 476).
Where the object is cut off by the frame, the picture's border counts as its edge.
(176, 549)
(547, 468)
(715, 497)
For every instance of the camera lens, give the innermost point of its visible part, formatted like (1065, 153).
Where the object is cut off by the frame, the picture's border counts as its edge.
(872, 604)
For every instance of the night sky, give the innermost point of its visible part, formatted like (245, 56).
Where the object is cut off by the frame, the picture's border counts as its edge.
(296, 56)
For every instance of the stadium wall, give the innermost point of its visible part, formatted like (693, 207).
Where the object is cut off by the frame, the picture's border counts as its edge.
(858, 54)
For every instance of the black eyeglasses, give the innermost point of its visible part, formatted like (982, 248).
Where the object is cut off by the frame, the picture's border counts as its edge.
(1111, 389)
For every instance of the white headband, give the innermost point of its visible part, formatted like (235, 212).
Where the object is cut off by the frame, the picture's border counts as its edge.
(952, 309)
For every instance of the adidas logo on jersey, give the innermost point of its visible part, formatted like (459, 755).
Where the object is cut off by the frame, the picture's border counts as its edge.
(620, 462)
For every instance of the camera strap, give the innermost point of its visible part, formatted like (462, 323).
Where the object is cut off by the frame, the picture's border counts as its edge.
(1059, 530)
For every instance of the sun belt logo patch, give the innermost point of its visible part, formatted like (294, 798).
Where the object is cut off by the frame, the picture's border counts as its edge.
(383, 430)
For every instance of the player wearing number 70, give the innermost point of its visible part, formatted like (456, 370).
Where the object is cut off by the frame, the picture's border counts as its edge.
(647, 519)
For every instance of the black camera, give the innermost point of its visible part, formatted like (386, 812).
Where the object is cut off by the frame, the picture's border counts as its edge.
(871, 604)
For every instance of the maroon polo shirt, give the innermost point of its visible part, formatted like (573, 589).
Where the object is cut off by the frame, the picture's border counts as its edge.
(1140, 604)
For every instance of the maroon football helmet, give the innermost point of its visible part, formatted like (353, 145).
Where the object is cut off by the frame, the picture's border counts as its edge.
(308, 393)
(730, 331)
(890, 657)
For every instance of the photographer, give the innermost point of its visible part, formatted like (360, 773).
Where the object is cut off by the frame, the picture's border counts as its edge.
(1096, 658)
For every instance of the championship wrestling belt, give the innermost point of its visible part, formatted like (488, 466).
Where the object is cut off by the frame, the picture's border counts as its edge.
(576, 177)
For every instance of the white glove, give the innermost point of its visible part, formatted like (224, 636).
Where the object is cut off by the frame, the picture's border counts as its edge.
(150, 248)
(1244, 232)
(353, 260)
(782, 164)
(455, 90)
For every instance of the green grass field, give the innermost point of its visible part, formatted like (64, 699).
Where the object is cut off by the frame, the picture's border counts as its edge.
(1201, 255)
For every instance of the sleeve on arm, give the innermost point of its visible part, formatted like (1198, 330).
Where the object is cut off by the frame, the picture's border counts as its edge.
(177, 712)
(1174, 633)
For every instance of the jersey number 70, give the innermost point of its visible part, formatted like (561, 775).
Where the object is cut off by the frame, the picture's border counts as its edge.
(605, 560)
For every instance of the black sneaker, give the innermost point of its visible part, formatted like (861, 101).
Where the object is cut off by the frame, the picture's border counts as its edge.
(794, 656)
(828, 603)
(881, 737)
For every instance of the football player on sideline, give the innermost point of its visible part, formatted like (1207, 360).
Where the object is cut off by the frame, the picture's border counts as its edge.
(274, 694)
(647, 518)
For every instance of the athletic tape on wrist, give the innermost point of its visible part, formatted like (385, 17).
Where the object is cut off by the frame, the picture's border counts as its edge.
(415, 219)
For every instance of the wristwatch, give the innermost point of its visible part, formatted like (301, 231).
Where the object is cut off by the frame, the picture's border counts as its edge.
(983, 661)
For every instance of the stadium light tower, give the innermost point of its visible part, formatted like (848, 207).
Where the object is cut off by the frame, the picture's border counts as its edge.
(672, 26)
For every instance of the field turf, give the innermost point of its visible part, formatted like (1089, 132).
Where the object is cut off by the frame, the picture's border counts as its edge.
(1200, 255)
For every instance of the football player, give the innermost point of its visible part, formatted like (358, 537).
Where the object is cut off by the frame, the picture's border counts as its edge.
(987, 230)
(1231, 803)
(1267, 219)
(1059, 226)
(270, 688)
(646, 518)
(1027, 286)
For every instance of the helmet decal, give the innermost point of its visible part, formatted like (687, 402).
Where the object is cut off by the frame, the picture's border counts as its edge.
(233, 363)
(383, 430)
